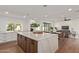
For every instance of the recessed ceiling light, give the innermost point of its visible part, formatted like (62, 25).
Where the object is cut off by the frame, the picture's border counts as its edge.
(6, 12)
(24, 16)
(70, 9)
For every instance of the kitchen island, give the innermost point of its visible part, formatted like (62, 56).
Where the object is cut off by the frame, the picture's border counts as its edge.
(37, 43)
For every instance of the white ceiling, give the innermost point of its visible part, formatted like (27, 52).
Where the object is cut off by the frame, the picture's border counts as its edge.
(51, 12)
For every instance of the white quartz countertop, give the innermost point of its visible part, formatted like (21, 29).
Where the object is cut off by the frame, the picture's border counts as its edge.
(38, 37)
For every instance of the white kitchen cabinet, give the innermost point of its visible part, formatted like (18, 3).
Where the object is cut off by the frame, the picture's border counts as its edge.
(8, 36)
(1, 36)
(11, 36)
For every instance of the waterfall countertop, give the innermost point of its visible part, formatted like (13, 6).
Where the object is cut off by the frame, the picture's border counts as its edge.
(38, 37)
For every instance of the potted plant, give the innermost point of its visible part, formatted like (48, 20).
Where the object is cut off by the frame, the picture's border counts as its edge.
(34, 26)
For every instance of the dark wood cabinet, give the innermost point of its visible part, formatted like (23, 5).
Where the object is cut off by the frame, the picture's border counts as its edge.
(28, 45)
(19, 37)
(33, 46)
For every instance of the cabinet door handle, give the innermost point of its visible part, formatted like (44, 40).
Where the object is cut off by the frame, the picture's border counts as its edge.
(33, 43)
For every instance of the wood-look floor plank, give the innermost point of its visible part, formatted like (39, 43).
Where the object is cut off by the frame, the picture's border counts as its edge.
(71, 46)
(10, 47)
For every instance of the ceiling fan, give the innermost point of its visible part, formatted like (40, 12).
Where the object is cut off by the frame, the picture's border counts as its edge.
(66, 19)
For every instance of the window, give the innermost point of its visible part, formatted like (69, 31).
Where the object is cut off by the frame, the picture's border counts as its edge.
(14, 27)
(18, 27)
(10, 27)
